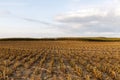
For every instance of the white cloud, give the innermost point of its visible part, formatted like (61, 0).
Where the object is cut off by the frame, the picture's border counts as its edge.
(4, 12)
(90, 16)
(12, 4)
(96, 21)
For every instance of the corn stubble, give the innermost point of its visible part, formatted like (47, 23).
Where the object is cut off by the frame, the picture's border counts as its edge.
(59, 60)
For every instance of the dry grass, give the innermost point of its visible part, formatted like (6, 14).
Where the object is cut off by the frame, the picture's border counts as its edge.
(59, 60)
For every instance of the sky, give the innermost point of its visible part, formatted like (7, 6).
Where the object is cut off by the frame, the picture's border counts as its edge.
(59, 18)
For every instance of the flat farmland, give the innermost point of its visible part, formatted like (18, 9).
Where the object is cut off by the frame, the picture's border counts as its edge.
(59, 60)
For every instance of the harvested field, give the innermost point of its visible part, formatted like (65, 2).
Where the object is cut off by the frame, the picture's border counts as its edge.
(59, 60)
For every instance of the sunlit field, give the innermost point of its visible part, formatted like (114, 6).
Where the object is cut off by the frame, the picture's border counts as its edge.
(59, 60)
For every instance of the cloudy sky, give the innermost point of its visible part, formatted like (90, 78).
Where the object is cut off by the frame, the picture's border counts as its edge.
(59, 18)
